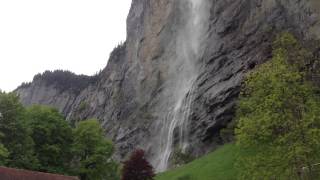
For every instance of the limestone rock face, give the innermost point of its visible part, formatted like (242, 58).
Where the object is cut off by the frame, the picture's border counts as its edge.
(146, 81)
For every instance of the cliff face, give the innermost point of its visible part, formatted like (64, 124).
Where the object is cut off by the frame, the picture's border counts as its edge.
(174, 83)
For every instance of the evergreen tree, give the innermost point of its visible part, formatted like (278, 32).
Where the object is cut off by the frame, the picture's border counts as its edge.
(279, 117)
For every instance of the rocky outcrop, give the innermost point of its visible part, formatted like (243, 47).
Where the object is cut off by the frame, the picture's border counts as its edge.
(58, 88)
(134, 95)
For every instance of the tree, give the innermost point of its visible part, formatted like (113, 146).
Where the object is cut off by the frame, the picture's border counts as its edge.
(15, 135)
(53, 138)
(64, 80)
(92, 152)
(278, 117)
(39, 138)
(4, 153)
(137, 167)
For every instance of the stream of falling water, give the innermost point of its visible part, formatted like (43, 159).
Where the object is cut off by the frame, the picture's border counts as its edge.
(188, 50)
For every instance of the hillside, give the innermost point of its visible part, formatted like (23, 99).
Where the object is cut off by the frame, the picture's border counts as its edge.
(217, 165)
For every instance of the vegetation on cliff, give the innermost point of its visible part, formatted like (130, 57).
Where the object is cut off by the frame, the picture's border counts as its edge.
(64, 80)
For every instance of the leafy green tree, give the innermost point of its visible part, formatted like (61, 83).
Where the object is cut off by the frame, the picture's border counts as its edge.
(18, 144)
(53, 138)
(279, 117)
(92, 152)
(4, 153)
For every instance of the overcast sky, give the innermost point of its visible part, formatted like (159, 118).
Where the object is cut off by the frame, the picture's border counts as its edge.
(75, 35)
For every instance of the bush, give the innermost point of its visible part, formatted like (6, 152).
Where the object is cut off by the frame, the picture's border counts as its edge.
(227, 134)
(83, 106)
(180, 158)
(137, 167)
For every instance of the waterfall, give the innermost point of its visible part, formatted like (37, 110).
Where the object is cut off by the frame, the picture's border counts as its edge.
(189, 48)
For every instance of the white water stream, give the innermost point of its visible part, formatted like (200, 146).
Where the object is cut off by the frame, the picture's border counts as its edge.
(189, 50)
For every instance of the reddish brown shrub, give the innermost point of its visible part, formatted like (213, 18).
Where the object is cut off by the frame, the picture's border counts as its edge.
(137, 167)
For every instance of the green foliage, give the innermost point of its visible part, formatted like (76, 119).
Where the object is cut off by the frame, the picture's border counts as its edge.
(185, 177)
(218, 165)
(65, 80)
(93, 152)
(180, 157)
(83, 106)
(39, 138)
(227, 134)
(278, 117)
(15, 136)
(53, 138)
(4, 154)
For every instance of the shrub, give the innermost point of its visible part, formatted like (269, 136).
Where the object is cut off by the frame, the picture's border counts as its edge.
(180, 157)
(137, 167)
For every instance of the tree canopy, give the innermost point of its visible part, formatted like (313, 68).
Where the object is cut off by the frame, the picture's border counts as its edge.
(53, 139)
(93, 152)
(15, 134)
(39, 138)
(278, 117)
(137, 167)
(64, 80)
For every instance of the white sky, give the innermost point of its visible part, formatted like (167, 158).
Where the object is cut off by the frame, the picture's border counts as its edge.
(75, 35)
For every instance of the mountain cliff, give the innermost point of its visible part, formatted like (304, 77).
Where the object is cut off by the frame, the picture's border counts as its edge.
(174, 83)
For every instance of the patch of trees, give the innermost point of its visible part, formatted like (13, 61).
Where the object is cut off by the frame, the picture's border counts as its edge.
(118, 50)
(278, 116)
(39, 138)
(24, 85)
(116, 54)
(66, 80)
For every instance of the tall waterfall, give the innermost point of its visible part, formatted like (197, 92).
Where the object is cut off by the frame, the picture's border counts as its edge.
(189, 49)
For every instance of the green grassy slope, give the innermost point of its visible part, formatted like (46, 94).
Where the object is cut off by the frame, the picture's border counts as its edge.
(218, 165)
